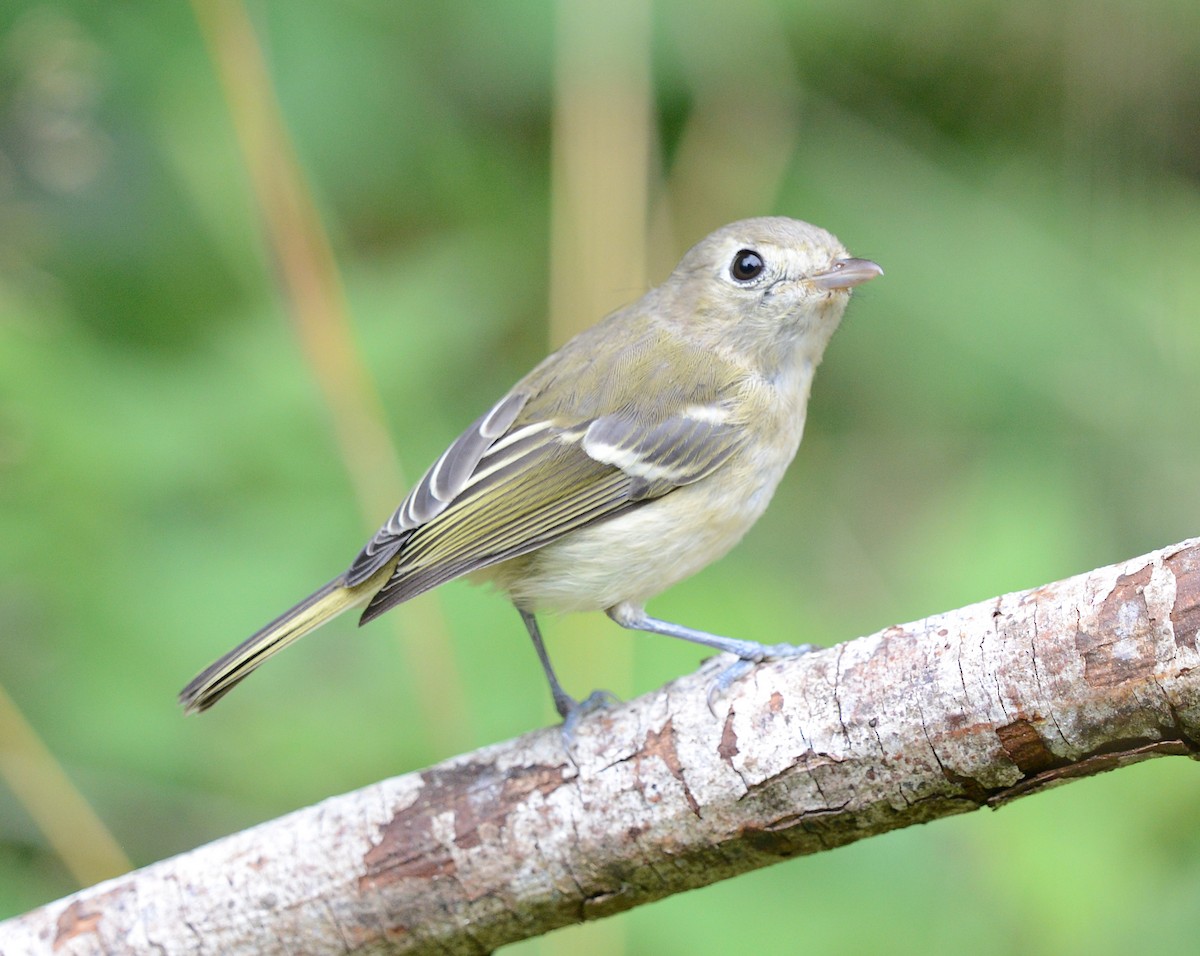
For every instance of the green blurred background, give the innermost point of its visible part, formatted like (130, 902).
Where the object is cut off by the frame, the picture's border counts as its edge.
(1015, 402)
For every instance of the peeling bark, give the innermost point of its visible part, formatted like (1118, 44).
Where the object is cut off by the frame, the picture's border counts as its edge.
(967, 709)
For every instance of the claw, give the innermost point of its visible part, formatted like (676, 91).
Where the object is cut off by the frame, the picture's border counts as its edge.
(743, 665)
(723, 680)
(577, 711)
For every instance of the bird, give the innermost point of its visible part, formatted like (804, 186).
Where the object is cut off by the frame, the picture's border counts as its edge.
(633, 456)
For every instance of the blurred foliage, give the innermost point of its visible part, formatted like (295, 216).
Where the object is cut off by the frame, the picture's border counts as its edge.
(1014, 403)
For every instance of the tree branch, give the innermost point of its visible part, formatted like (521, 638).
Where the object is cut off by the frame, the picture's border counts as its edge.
(963, 710)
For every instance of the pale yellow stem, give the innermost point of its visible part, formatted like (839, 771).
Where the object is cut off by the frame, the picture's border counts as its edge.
(61, 812)
(309, 280)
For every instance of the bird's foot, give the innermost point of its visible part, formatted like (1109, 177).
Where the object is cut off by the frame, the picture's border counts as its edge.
(744, 664)
(574, 711)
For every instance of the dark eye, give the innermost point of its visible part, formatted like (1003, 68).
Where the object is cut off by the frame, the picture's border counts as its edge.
(746, 265)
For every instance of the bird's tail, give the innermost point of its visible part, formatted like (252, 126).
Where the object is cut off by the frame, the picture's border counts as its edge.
(220, 677)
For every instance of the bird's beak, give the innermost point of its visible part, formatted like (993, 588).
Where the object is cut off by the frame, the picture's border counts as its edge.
(846, 273)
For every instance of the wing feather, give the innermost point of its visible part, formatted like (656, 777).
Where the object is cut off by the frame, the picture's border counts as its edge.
(549, 481)
(681, 449)
(440, 485)
(485, 530)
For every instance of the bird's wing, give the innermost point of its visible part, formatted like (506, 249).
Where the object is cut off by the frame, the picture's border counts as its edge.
(438, 487)
(493, 496)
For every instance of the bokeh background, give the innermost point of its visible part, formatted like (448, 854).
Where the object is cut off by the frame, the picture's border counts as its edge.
(259, 263)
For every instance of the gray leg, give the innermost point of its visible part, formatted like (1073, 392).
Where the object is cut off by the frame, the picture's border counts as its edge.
(750, 652)
(564, 703)
(569, 709)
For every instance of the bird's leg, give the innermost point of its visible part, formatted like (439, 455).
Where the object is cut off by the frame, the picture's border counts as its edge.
(749, 652)
(564, 703)
(569, 709)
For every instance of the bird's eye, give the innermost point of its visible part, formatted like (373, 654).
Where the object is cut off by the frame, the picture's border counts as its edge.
(746, 265)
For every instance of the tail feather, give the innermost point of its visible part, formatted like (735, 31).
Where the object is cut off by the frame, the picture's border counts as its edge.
(220, 677)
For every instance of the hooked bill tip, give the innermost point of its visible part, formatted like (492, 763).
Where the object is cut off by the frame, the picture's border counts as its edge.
(847, 273)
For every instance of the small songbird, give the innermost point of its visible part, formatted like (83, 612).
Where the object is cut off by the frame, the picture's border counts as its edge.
(632, 457)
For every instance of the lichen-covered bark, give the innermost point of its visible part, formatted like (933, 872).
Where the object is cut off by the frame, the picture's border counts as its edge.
(967, 709)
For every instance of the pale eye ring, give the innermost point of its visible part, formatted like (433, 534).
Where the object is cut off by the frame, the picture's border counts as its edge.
(747, 264)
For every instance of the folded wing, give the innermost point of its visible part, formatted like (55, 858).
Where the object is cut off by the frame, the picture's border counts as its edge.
(510, 485)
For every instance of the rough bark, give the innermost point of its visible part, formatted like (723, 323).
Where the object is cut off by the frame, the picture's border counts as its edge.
(967, 709)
